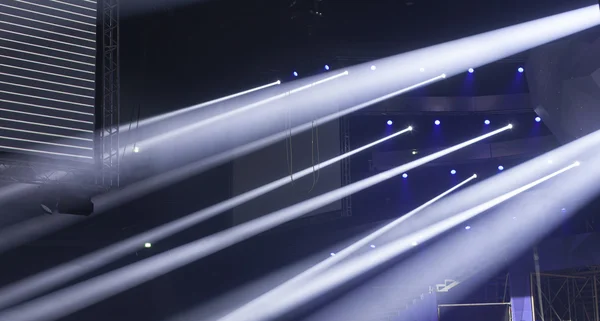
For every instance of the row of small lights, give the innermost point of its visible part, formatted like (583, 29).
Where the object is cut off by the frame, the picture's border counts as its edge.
(373, 68)
(453, 172)
(486, 122)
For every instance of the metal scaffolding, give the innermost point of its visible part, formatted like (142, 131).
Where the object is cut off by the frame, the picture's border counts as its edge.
(569, 295)
(108, 151)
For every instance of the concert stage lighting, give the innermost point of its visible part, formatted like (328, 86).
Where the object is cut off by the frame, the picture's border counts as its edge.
(453, 172)
(136, 149)
(326, 67)
(437, 122)
(521, 69)
(147, 245)
(373, 67)
(324, 265)
(389, 122)
(471, 70)
(500, 168)
(538, 119)
(66, 272)
(467, 227)
(487, 122)
(356, 267)
(101, 287)
(373, 246)
(295, 74)
(404, 175)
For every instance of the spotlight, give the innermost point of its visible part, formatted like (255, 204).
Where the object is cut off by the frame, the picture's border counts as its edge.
(577, 163)
(373, 67)
(414, 152)
(521, 69)
(404, 175)
(147, 245)
(510, 126)
(487, 122)
(437, 122)
(500, 168)
(410, 128)
(389, 122)
(467, 227)
(471, 70)
(295, 74)
(136, 149)
(331, 254)
(373, 246)
(452, 172)
(538, 119)
(326, 67)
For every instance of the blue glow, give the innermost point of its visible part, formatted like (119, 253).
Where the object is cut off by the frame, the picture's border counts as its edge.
(471, 70)
(390, 122)
(467, 227)
(404, 175)
(373, 67)
(326, 67)
(295, 74)
(452, 172)
(521, 69)
(487, 122)
(538, 119)
(564, 210)
(500, 168)
(437, 122)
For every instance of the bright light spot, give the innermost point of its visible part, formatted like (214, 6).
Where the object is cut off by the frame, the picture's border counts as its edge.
(422, 69)
(487, 122)
(346, 72)
(437, 122)
(373, 67)
(500, 168)
(410, 128)
(521, 69)
(452, 172)
(538, 119)
(510, 126)
(326, 67)
(372, 246)
(415, 243)
(471, 70)
(467, 227)
(474, 175)
(332, 254)
(577, 163)
(550, 161)
(389, 122)
(295, 74)
(278, 82)
(404, 175)
(414, 152)
(443, 75)
(136, 149)
(147, 245)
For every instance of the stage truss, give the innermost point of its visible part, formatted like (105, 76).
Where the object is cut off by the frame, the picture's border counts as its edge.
(567, 295)
(104, 173)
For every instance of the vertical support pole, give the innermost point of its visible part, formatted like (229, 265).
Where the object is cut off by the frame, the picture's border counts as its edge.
(596, 308)
(346, 167)
(521, 294)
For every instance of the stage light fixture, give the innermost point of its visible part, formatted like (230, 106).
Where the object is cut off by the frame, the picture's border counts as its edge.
(404, 175)
(521, 69)
(331, 254)
(487, 122)
(326, 67)
(471, 70)
(500, 168)
(437, 122)
(147, 245)
(295, 74)
(389, 122)
(414, 152)
(467, 227)
(373, 246)
(136, 149)
(538, 119)
(453, 172)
